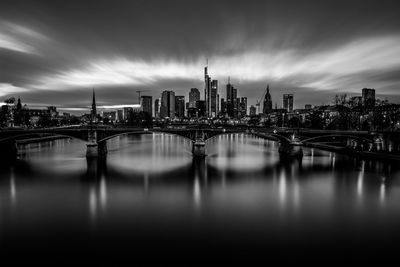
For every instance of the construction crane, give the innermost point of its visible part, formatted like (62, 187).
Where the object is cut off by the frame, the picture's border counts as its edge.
(138, 92)
(259, 101)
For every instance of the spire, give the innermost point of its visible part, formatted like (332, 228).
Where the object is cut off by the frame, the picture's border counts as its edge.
(94, 111)
(267, 88)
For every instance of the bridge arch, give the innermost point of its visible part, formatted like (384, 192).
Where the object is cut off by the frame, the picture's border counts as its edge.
(36, 135)
(339, 135)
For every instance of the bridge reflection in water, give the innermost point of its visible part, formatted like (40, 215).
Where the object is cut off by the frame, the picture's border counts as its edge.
(150, 190)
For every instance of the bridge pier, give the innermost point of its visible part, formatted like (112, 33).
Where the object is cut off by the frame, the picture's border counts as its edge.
(199, 148)
(92, 150)
(290, 150)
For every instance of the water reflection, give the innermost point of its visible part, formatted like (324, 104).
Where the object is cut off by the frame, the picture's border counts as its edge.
(241, 189)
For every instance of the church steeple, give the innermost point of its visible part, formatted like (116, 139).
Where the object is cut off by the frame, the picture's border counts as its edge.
(19, 105)
(94, 110)
(267, 102)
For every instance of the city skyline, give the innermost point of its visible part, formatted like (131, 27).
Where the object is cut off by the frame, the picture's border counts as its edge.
(55, 53)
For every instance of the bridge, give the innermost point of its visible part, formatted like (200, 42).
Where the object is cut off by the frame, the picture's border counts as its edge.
(290, 140)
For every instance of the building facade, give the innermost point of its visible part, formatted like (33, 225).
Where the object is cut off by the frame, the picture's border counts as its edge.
(146, 102)
(180, 106)
(167, 109)
(288, 102)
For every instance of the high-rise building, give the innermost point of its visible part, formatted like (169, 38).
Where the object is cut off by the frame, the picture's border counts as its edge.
(253, 110)
(223, 106)
(231, 100)
(201, 108)
(288, 102)
(218, 107)
(194, 95)
(146, 103)
(157, 108)
(167, 109)
(368, 97)
(267, 102)
(207, 91)
(243, 107)
(213, 100)
(180, 106)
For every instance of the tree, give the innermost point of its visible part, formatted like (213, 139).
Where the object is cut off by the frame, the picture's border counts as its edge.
(10, 101)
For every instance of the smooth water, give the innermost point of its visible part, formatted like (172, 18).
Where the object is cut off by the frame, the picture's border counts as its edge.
(150, 197)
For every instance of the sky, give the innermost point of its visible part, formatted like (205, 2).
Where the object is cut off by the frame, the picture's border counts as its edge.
(55, 52)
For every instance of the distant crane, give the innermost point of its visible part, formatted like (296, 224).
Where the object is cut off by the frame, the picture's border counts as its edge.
(259, 101)
(138, 92)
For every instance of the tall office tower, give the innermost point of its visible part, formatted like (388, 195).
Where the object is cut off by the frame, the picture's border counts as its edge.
(243, 107)
(180, 106)
(368, 97)
(213, 100)
(157, 108)
(223, 107)
(288, 102)
(146, 102)
(207, 91)
(236, 107)
(231, 101)
(201, 108)
(167, 109)
(218, 106)
(253, 110)
(194, 95)
(267, 102)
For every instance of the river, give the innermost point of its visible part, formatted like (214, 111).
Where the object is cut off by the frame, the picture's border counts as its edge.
(150, 200)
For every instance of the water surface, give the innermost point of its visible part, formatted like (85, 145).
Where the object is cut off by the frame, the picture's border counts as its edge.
(150, 197)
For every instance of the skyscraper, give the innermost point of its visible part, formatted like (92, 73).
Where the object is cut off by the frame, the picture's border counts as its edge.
(231, 100)
(167, 108)
(194, 95)
(223, 107)
(213, 100)
(243, 107)
(146, 103)
(288, 102)
(157, 108)
(179, 106)
(368, 97)
(207, 91)
(267, 102)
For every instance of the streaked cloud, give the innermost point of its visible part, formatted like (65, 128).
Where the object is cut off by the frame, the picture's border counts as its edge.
(7, 89)
(19, 38)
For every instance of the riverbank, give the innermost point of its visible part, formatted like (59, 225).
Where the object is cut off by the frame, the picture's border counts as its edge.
(361, 154)
(41, 139)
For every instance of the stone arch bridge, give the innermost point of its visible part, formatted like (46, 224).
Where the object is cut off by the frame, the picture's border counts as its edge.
(96, 136)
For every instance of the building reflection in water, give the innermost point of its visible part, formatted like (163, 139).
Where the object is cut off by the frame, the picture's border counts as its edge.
(360, 180)
(382, 191)
(95, 181)
(13, 188)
